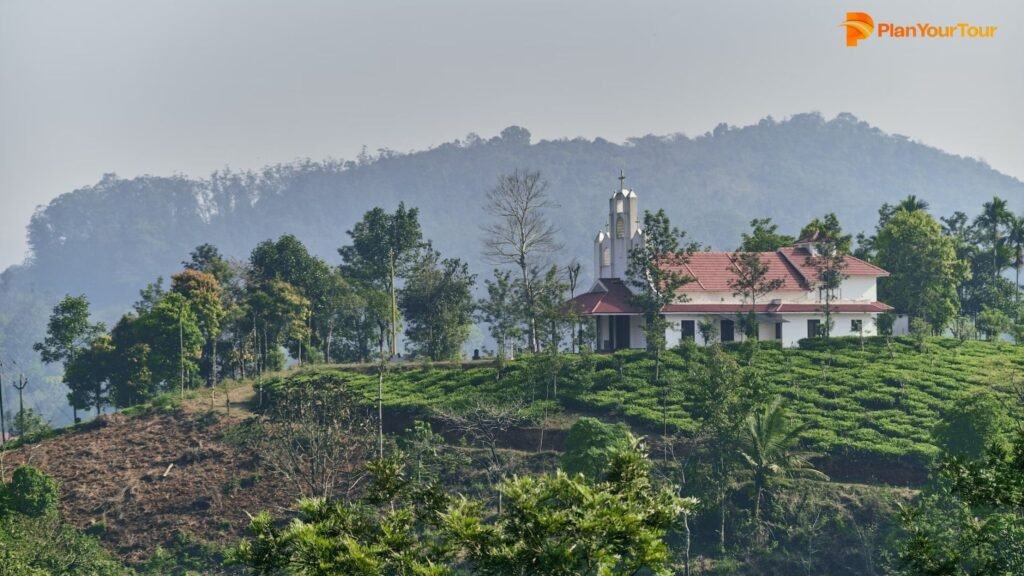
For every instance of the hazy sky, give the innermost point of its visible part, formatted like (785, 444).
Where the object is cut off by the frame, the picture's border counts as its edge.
(189, 86)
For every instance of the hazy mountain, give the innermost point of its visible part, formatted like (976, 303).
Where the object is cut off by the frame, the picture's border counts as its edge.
(109, 239)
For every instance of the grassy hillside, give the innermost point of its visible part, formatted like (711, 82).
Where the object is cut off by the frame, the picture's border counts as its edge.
(879, 402)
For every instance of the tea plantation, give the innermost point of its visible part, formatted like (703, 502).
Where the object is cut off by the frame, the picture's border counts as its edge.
(877, 399)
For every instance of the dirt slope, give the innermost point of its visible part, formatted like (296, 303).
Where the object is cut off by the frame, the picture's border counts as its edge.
(159, 479)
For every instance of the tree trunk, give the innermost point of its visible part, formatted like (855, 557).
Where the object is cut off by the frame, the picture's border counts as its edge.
(394, 305)
(380, 398)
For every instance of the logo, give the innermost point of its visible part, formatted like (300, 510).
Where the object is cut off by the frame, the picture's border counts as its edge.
(859, 26)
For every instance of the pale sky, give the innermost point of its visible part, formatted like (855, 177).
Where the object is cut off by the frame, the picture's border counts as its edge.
(190, 86)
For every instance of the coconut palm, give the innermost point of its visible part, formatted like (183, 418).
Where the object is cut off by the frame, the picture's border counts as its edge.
(767, 449)
(1015, 238)
(912, 204)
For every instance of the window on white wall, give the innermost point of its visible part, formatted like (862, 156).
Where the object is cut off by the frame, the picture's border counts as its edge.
(856, 326)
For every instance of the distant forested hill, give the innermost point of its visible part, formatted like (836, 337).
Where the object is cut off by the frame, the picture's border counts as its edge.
(109, 239)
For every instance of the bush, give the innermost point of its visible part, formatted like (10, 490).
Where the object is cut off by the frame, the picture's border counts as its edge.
(971, 425)
(32, 493)
(591, 445)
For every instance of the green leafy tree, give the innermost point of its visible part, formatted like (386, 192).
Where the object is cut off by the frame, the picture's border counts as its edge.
(202, 294)
(993, 323)
(437, 303)
(971, 425)
(924, 268)
(750, 280)
(500, 311)
(555, 525)
(829, 265)
(384, 249)
(828, 229)
(722, 392)
(68, 333)
(970, 520)
(764, 237)
(89, 374)
(591, 445)
(654, 275)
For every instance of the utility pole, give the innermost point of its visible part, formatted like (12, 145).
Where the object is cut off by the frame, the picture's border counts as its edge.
(20, 387)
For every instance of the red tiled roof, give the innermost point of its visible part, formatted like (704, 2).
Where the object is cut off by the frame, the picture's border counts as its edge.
(614, 300)
(711, 272)
(854, 266)
(701, 308)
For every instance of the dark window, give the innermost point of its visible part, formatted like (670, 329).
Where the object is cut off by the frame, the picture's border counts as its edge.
(689, 329)
(813, 328)
(856, 326)
(778, 330)
(728, 331)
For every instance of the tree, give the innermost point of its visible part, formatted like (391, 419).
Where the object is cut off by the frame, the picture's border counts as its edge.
(559, 524)
(202, 294)
(969, 521)
(152, 350)
(828, 263)
(315, 434)
(500, 312)
(591, 445)
(89, 374)
(993, 323)
(554, 525)
(971, 425)
(68, 333)
(763, 237)
(207, 258)
(828, 229)
(767, 452)
(1016, 241)
(520, 232)
(722, 392)
(384, 248)
(994, 218)
(751, 281)
(923, 266)
(437, 303)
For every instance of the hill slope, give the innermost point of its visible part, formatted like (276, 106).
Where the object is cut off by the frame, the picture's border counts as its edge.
(870, 413)
(110, 239)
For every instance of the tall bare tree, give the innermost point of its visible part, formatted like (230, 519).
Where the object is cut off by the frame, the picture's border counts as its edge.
(520, 232)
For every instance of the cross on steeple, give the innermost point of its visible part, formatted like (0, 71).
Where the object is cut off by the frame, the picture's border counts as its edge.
(622, 180)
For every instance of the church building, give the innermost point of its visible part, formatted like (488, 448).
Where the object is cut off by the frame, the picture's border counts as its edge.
(788, 314)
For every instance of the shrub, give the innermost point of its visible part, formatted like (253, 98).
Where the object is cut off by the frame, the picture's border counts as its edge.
(32, 492)
(591, 444)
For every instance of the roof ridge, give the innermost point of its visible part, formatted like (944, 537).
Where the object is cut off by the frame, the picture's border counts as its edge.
(799, 273)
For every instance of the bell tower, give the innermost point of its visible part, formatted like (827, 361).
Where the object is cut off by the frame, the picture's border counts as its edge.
(623, 227)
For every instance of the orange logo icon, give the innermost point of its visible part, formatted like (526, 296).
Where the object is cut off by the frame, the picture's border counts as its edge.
(858, 27)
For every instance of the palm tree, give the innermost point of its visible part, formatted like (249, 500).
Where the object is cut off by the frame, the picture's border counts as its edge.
(1016, 239)
(912, 204)
(994, 216)
(767, 451)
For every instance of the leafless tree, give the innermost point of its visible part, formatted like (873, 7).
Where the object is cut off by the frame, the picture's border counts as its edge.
(520, 231)
(316, 437)
(484, 423)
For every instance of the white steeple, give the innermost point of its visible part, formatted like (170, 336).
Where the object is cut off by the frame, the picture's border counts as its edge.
(611, 249)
